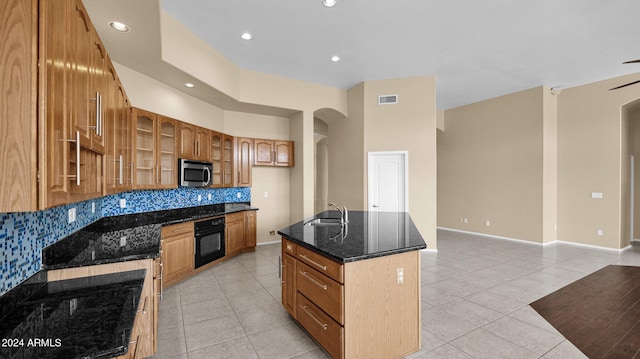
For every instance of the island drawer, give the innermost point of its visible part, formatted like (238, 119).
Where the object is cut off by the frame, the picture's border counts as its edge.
(326, 331)
(321, 263)
(289, 247)
(323, 291)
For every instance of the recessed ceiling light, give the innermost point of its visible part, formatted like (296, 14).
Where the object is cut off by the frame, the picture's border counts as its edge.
(246, 36)
(335, 58)
(118, 26)
(190, 85)
(329, 3)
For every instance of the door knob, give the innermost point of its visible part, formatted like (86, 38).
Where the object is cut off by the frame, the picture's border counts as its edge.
(375, 206)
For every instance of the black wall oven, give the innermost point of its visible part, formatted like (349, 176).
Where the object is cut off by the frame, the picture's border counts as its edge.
(209, 244)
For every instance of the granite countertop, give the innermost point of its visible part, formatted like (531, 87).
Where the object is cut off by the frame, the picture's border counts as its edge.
(88, 317)
(126, 237)
(367, 235)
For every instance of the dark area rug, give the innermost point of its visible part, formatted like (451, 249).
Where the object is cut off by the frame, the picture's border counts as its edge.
(600, 313)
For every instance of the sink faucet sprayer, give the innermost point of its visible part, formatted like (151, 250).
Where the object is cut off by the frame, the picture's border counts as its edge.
(344, 213)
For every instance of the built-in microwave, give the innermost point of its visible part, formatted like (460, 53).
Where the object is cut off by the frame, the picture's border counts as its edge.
(194, 173)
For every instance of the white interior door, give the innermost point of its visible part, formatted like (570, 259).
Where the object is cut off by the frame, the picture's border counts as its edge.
(388, 186)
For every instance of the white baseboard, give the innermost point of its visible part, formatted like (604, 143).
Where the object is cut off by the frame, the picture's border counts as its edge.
(265, 243)
(534, 243)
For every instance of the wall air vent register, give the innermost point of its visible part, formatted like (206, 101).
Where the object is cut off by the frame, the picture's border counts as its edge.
(387, 100)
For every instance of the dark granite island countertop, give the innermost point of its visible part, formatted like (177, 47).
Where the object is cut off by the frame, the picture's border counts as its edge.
(366, 235)
(89, 317)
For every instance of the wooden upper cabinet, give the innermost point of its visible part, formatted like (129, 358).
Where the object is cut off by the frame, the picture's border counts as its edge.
(283, 153)
(167, 157)
(187, 141)
(18, 178)
(228, 160)
(216, 159)
(244, 161)
(194, 142)
(273, 153)
(144, 146)
(79, 79)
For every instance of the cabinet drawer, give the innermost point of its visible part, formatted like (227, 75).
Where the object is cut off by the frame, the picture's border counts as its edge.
(322, 328)
(321, 263)
(323, 291)
(177, 229)
(237, 216)
(289, 248)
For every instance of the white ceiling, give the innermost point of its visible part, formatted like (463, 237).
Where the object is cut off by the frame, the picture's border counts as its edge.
(476, 49)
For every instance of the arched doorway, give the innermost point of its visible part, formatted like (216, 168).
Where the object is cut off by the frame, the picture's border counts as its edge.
(630, 164)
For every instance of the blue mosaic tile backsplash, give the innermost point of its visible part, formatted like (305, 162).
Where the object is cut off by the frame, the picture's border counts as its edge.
(23, 235)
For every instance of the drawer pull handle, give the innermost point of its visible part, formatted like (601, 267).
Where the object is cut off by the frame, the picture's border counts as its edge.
(313, 262)
(323, 325)
(323, 286)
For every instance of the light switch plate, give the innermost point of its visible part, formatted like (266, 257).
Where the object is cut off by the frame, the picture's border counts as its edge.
(72, 215)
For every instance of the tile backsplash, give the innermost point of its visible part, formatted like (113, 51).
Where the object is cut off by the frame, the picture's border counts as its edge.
(23, 235)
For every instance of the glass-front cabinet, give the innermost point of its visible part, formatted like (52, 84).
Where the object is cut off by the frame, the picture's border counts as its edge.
(155, 151)
(217, 139)
(166, 158)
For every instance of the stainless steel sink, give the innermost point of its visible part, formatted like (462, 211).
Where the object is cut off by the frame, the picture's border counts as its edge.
(324, 222)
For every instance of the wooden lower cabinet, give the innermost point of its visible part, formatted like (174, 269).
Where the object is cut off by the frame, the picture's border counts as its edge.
(234, 236)
(143, 337)
(250, 229)
(357, 309)
(178, 257)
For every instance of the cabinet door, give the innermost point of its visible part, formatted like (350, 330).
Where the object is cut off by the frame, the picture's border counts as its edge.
(144, 131)
(112, 173)
(79, 85)
(217, 140)
(187, 141)
(289, 284)
(55, 21)
(283, 153)
(203, 146)
(263, 152)
(250, 229)
(167, 158)
(97, 93)
(228, 160)
(124, 169)
(244, 148)
(177, 257)
(234, 236)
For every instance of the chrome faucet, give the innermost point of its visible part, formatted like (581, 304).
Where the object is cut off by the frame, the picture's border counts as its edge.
(344, 212)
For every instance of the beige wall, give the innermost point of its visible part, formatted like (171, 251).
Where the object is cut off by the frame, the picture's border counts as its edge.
(150, 94)
(409, 126)
(590, 159)
(490, 166)
(274, 181)
(633, 116)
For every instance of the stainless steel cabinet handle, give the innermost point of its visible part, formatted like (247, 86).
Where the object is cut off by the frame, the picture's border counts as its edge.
(323, 325)
(313, 262)
(280, 268)
(375, 206)
(121, 170)
(77, 141)
(321, 285)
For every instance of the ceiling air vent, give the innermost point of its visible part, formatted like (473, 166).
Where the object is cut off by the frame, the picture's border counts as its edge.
(388, 100)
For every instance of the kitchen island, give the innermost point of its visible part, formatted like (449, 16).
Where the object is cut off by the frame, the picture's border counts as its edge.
(355, 287)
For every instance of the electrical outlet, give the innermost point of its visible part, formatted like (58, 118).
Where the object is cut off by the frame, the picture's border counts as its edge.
(72, 215)
(199, 198)
(266, 194)
(599, 232)
(400, 275)
(272, 233)
(123, 241)
(238, 195)
(465, 220)
(209, 196)
(123, 203)
(93, 207)
(487, 223)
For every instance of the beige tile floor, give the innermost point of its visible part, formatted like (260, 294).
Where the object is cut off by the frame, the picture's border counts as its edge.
(475, 295)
